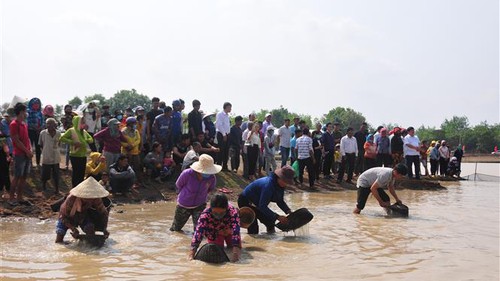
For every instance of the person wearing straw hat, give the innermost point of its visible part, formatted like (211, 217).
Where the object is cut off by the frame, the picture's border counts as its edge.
(75, 210)
(219, 223)
(258, 194)
(193, 186)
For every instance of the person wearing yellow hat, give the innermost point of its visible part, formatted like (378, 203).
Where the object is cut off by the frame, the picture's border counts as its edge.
(193, 186)
(75, 211)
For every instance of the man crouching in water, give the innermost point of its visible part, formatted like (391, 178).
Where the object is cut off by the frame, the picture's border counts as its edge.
(374, 180)
(83, 207)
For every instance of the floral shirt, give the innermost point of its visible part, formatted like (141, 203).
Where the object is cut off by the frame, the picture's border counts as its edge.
(210, 227)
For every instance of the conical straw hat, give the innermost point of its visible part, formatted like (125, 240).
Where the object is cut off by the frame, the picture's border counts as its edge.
(89, 189)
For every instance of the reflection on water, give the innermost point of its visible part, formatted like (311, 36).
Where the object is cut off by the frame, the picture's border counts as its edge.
(451, 234)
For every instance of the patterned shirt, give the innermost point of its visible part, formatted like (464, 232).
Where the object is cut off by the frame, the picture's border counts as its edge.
(210, 227)
(304, 146)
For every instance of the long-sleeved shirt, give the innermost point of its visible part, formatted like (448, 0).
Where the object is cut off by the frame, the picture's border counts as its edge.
(111, 144)
(348, 145)
(269, 149)
(79, 215)
(134, 141)
(210, 227)
(263, 191)
(383, 145)
(121, 173)
(444, 152)
(192, 191)
(434, 153)
(75, 135)
(222, 123)
(235, 137)
(328, 141)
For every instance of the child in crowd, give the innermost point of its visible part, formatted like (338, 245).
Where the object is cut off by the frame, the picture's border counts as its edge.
(337, 158)
(168, 165)
(49, 142)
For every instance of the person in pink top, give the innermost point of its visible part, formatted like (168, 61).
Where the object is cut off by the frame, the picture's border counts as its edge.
(22, 155)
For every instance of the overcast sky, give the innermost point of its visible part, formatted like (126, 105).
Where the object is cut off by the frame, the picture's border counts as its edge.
(405, 62)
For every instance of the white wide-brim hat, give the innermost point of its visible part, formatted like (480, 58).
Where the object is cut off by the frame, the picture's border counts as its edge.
(89, 189)
(205, 165)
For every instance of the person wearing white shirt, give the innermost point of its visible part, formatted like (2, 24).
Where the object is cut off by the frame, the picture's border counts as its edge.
(349, 152)
(284, 137)
(411, 149)
(223, 127)
(305, 156)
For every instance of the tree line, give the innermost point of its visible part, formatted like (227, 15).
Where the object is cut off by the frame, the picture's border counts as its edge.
(481, 138)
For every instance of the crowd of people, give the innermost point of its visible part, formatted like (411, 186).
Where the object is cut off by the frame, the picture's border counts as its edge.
(121, 151)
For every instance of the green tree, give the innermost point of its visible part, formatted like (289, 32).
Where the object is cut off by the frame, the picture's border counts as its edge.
(485, 137)
(347, 117)
(128, 98)
(75, 102)
(280, 114)
(99, 97)
(455, 129)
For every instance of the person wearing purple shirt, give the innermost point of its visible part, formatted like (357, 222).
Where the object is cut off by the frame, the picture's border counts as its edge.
(193, 186)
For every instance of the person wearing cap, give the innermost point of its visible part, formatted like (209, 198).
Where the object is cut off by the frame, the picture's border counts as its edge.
(176, 122)
(270, 150)
(444, 158)
(374, 180)
(111, 138)
(193, 186)
(75, 211)
(235, 143)
(121, 176)
(49, 142)
(219, 223)
(267, 122)
(223, 128)
(259, 193)
(412, 153)
(195, 120)
(78, 139)
(131, 147)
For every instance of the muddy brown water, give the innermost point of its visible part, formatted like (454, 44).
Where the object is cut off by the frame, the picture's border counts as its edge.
(450, 235)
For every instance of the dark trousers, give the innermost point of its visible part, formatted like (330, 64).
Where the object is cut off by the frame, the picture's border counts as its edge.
(443, 165)
(415, 160)
(235, 157)
(359, 167)
(244, 156)
(327, 163)
(317, 165)
(34, 135)
(285, 152)
(384, 159)
(364, 192)
(347, 164)
(434, 166)
(4, 172)
(307, 162)
(223, 154)
(78, 165)
(50, 171)
(370, 163)
(254, 227)
(253, 157)
(92, 145)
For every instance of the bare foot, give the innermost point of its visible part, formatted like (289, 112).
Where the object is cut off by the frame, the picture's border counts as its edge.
(356, 211)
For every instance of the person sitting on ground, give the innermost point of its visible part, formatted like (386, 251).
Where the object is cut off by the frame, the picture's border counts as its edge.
(206, 147)
(49, 142)
(121, 176)
(373, 181)
(75, 211)
(153, 161)
(95, 166)
(168, 165)
(191, 156)
(180, 150)
(193, 186)
(258, 194)
(219, 223)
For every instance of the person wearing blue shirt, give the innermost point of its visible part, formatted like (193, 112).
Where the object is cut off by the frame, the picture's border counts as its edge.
(258, 194)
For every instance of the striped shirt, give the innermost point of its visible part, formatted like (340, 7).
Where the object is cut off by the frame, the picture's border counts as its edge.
(304, 146)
